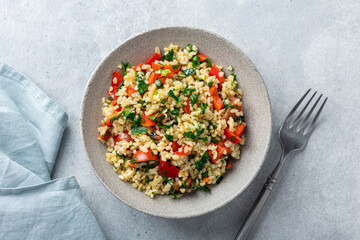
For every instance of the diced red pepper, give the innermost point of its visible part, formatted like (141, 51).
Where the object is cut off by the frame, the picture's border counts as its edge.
(105, 136)
(228, 165)
(155, 56)
(140, 66)
(155, 66)
(147, 122)
(175, 146)
(187, 108)
(166, 169)
(130, 91)
(114, 102)
(155, 76)
(202, 57)
(231, 136)
(110, 119)
(182, 152)
(220, 149)
(124, 137)
(217, 102)
(171, 73)
(114, 86)
(145, 156)
(118, 109)
(228, 113)
(214, 71)
(240, 129)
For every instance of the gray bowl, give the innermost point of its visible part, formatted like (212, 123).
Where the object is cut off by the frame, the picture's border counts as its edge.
(256, 107)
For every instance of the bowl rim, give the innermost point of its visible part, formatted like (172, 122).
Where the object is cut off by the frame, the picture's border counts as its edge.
(191, 215)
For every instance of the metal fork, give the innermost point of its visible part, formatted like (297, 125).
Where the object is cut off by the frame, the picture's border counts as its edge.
(293, 135)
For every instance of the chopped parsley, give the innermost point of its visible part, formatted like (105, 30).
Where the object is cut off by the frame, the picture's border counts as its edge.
(158, 83)
(232, 138)
(128, 115)
(169, 56)
(142, 86)
(215, 140)
(170, 181)
(133, 160)
(165, 126)
(195, 61)
(205, 189)
(174, 67)
(194, 99)
(163, 101)
(210, 84)
(196, 136)
(190, 47)
(204, 158)
(165, 72)
(233, 76)
(203, 107)
(171, 94)
(184, 185)
(219, 179)
(209, 62)
(124, 67)
(189, 72)
(175, 112)
(169, 137)
(187, 91)
(205, 174)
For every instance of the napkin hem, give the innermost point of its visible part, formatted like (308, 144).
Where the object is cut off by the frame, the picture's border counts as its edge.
(54, 110)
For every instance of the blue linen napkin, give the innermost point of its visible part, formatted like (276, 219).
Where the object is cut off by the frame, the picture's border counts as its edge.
(32, 206)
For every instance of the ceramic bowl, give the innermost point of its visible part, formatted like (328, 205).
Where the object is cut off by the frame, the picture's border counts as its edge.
(256, 106)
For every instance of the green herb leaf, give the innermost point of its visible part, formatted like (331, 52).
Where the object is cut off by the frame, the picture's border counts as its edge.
(195, 61)
(194, 99)
(128, 115)
(125, 66)
(205, 174)
(232, 138)
(165, 72)
(187, 91)
(190, 47)
(152, 118)
(189, 72)
(209, 62)
(233, 76)
(204, 158)
(219, 179)
(121, 84)
(133, 160)
(165, 126)
(203, 107)
(138, 130)
(163, 101)
(169, 56)
(210, 84)
(142, 86)
(175, 112)
(205, 189)
(171, 94)
(169, 137)
(174, 67)
(158, 83)
(215, 140)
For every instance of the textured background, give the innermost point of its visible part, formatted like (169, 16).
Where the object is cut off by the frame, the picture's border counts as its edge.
(294, 44)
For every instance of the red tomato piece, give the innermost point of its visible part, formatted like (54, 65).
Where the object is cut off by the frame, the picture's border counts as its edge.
(217, 102)
(231, 136)
(155, 56)
(240, 129)
(202, 57)
(143, 157)
(181, 153)
(140, 66)
(214, 71)
(187, 108)
(155, 66)
(114, 86)
(175, 146)
(130, 91)
(147, 122)
(125, 136)
(155, 76)
(220, 149)
(105, 136)
(168, 170)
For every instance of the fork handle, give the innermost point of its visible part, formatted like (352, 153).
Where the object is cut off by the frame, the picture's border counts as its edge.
(255, 209)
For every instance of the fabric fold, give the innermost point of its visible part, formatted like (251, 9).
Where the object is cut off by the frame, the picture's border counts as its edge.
(32, 206)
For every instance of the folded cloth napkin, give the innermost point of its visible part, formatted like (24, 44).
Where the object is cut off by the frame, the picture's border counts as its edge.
(32, 206)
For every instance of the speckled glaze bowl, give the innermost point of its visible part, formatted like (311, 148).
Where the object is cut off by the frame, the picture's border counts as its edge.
(256, 107)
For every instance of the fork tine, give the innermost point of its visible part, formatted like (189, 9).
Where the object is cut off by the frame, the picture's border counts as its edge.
(304, 122)
(297, 120)
(296, 106)
(312, 125)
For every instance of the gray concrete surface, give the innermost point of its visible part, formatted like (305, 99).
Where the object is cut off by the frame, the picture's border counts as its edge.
(295, 45)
